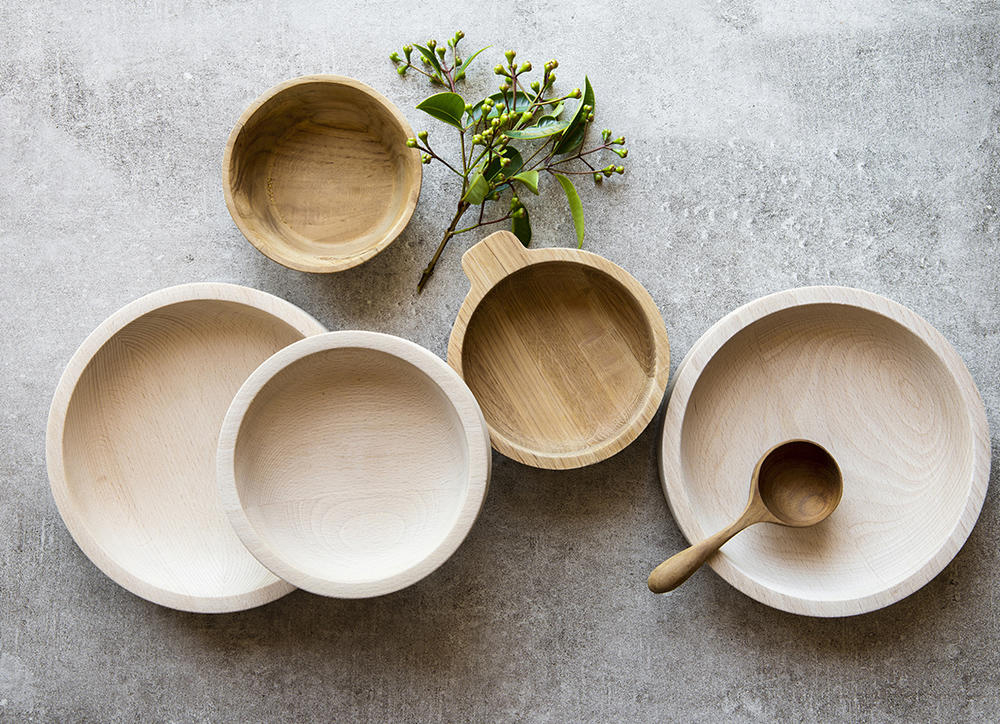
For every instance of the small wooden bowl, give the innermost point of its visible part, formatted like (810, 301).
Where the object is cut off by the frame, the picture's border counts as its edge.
(353, 464)
(132, 434)
(871, 382)
(317, 174)
(565, 351)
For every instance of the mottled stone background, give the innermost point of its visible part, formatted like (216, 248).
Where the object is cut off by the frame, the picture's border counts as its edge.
(772, 146)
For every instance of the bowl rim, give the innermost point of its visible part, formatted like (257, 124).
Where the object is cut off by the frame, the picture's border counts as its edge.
(704, 350)
(55, 430)
(472, 427)
(273, 247)
(642, 413)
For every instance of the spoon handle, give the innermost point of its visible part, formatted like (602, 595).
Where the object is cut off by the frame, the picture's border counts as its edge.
(678, 568)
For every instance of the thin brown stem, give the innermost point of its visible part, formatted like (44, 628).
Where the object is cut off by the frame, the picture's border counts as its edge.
(462, 208)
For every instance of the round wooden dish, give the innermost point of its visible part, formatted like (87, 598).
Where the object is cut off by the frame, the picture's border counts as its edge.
(317, 174)
(875, 385)
(132, 434)
(565, 351)
(353, 464)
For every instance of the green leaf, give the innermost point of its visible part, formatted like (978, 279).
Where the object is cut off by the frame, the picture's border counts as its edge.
(429, 54)
(573, 136)
(479, 188)
(447, 107)
(494, 169)
(575, 206)
(522, 228)
(557, 111)
(546, 126)
(529, 179)
(460, 73)
(522, 104)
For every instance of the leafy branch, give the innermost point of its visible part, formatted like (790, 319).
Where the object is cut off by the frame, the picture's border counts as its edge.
(497, 132)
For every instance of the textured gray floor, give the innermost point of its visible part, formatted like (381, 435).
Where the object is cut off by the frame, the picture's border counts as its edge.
(772, 147)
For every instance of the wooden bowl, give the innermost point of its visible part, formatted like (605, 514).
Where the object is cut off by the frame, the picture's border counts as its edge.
(875, 385)
(565, 351)
(132, 434)
(353, 464)
(317, 174)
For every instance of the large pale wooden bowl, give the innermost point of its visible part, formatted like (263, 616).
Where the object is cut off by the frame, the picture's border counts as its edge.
(317, 174)
(565, 351)
(353, 464)
(875, 385)
(132, 434)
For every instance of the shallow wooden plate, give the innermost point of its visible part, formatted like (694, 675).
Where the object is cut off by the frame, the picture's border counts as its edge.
(874, 384)
(131, 441)
(566, 352)
(353, 464)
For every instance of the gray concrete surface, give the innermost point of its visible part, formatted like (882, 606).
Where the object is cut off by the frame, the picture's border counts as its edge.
(772, 146)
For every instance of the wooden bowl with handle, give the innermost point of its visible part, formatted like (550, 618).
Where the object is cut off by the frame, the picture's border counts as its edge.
(876, 386)
(353, 464)
(317, 174)
(131, 441)
(565, 351)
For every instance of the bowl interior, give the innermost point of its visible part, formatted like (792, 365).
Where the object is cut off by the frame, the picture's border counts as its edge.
(351, 465)
(139, 444)
(321, 173)
(872, 393)
(560, 357)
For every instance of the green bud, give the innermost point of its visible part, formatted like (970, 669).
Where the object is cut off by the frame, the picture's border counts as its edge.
(619, 141)
(554, 63)
(411, 143)
(608, 171)
(575, 93)
(488, 103)
(432, 44)
(619, 169)
(586, 107)
(535, 85)
(552, 79)
(441, 52)
(394, 57)
(495, 122)
(477, 140)
(606, 134)
(459, 35)
(495, 196)
(401, 70)
(598, 178)
(526, 116)
(422, 135)
(504, 87)
(426, 158)
(525, 68)
(503, 119)
(514, 202)
(590, 118)
(509, 55)
(468, 108)
(424, 60)
(504, 162)
(622, 152)
(519, 214)
(407, 49)
(499, 70)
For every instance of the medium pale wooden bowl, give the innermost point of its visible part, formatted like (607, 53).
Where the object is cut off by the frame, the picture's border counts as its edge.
(565, 351)
(132, 434)
(353, 464)
(317, 174)
(871, 382)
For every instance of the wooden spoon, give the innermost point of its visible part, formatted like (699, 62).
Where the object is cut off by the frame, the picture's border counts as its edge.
(796, 483)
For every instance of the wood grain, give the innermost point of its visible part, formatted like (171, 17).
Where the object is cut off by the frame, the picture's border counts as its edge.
(353, 464)
(871, 382)
(565, 351)
(131, 441)
(317, 174)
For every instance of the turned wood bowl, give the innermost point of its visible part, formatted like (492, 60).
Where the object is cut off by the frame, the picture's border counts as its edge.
(353, 464)
(877, 387)
(317, 174)
(132, 434)
(565, 351)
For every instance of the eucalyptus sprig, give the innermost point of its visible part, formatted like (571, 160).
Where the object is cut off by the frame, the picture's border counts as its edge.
(508, 139)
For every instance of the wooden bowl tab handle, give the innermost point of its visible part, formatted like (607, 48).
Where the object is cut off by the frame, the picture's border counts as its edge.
(493, 258)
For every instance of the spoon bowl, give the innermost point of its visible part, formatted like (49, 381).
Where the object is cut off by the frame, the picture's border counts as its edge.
(796, 483)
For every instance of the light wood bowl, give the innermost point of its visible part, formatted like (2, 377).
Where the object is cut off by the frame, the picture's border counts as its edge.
(565, 351)
(131, 441)
(353, 464)
(317, 174)
(883, 392)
